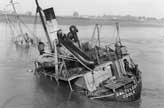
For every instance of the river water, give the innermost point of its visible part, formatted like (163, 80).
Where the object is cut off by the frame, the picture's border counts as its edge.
(20, 88)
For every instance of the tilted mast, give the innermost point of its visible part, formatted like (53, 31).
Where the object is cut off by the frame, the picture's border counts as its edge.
(17, 16)
(118, 45)
(50, 16)
(44, 25)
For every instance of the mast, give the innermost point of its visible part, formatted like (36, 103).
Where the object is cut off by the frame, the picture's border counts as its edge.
(8, 21)
(50, 17)
(118, 40)
(98, 34)
(16, 15)
(52, 29)
(44, 25)
(97, 29)
(118, 62)
(98, 37)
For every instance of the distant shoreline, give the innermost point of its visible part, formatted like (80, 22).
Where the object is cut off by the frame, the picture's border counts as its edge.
(69, 20)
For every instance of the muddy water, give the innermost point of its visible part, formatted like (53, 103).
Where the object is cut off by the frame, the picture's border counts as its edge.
(19, 88)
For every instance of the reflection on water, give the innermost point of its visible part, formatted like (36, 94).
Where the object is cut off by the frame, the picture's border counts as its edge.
(21, 89)
(22, 51)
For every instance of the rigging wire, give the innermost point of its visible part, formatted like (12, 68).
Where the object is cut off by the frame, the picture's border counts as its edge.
(98, 29)
(27, 28)
(13, 26)
(35, 24)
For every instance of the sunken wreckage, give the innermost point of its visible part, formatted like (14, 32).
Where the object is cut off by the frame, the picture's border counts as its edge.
(20, 38)
(96, 72)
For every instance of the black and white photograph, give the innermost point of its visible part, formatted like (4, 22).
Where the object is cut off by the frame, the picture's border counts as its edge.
(81, 54)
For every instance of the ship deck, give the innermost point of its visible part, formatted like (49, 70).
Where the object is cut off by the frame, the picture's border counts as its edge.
(62, 78)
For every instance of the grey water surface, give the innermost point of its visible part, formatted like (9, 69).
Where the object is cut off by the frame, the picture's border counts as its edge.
(20, 88)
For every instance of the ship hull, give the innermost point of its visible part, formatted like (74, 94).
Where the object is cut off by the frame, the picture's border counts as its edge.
(133, 94)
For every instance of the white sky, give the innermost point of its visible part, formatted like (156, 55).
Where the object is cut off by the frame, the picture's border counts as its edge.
(150, 8)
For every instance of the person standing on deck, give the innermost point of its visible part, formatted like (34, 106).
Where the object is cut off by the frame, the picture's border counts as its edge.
(41, 48)
(60, 48)
(72, 35)
(126, 65)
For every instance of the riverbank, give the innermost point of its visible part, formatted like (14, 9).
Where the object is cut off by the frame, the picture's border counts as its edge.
(69, 20)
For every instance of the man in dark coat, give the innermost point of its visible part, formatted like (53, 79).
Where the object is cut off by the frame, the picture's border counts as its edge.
(72, 35)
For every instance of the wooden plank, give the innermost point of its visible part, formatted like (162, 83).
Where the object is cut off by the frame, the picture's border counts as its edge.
(103, 96)
(118, 83)
(114, 86)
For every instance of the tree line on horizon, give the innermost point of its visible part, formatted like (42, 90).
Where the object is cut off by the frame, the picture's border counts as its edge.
(123, 17)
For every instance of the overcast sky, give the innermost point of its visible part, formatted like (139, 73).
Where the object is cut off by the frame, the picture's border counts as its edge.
(150, 8)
